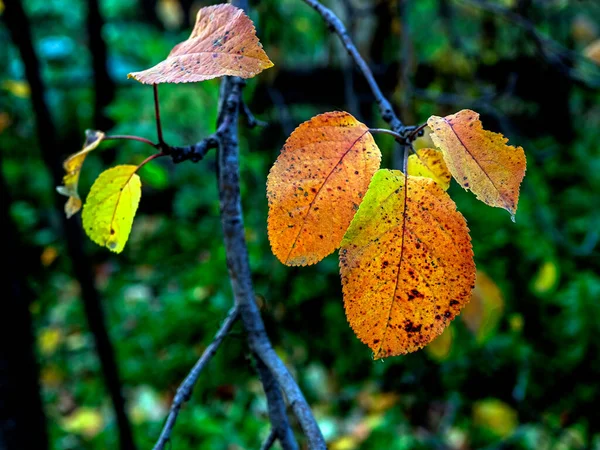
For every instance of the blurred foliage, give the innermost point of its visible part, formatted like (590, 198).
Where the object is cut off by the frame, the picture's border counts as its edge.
(530, 383)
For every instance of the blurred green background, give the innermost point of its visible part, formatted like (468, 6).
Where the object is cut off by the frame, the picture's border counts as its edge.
(520, 369)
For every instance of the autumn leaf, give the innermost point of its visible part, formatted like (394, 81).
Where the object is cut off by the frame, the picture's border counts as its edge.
(315, 186)
(484, 311)
(429, 162)
(406, 264)
(480, 160)
(592, 51)
(495, 416)
(110, 207)
(72, 166)
(223, 42)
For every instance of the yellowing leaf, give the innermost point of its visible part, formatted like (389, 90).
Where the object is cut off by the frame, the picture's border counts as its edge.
(429, 162)
(111, 205)
(17, 88)
(480, 160)
(592, 51)
(546, 278)
(49, 339)
(406, 264)
(223, 42)
(439, 349)
(496, 416)
(315, 186)
(85, 421)
(72, 166)
(484, 311)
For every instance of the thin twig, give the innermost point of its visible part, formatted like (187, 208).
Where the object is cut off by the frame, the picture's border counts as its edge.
(277, 413)
(157, 114)
(185, 389)
(123, 137)
(251, 120)
(270, 440)
(336, 25)
(397, 136)
(552, 51)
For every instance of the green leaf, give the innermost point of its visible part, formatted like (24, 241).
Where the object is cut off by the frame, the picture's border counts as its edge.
(111, 205)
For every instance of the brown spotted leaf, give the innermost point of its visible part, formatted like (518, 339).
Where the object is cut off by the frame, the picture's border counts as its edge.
(480, 160)
(315, 186)
(406, 264)
(223, 42)
(72, 166)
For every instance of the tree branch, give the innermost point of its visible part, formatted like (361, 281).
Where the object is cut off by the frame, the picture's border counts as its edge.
(239, 265)
(336, 25)
(552, 51)
(185, 389)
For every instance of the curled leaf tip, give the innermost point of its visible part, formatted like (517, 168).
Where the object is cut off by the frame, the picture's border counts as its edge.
(72, 166)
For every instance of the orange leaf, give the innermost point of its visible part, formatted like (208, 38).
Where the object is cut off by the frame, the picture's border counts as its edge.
(406, 264)
(480, 160)
(316, 185)
(223, 42)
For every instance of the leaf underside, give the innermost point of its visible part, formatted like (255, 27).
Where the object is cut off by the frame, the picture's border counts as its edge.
(223, 42)
(406, 264)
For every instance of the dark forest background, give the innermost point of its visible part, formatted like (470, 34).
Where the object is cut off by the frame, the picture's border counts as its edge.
(79, 324)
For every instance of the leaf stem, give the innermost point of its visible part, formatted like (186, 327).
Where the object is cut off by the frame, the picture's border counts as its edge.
(407, 148)
(150, 158)
(397, 136)
(124, 137)
(157, 114)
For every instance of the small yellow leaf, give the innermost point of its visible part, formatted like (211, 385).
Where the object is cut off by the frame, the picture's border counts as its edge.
(111, 205)
(72, 166)
(479, 160)
(496, 416)
(49, 339)
(429, 162)
(85, 421)
(546, 278)
(484, 311)
(592, 51)
(17, 88)
(439, 349)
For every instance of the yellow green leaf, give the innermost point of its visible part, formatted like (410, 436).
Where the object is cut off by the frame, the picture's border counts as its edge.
(547, 278)
(85, 421)
(439, 349)
(484, 311)
(17, 88)
(406, 264)
(495, 416)
(111, 205)
(315, 186)
(479, 160)
(72, 166)
(429, 162)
